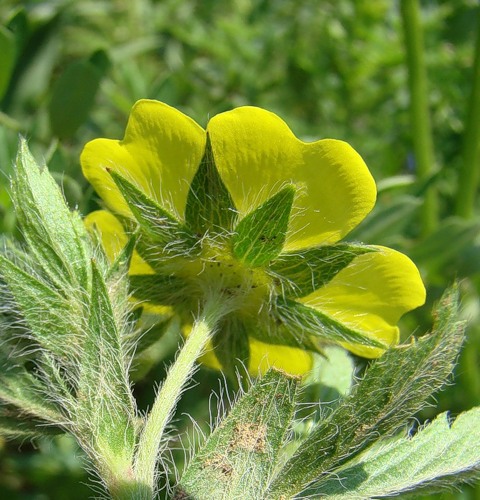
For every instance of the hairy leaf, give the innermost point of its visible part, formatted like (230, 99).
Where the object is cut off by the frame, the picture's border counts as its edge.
(239, 457)
(393, 389)
(49, 316)
(434, 455)
(55, 235)
(106, 406)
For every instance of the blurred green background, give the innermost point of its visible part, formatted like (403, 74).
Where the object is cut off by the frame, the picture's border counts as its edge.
(70, 71)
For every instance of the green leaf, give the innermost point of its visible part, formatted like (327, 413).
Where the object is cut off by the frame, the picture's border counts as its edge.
(7, 58)
(259, 237)
(210, 207)
(106, 408)
(26, 396)
(393, 389)
(239, 457)
(49, 316)
(55, 235)
(305, 320)
(158, 289)
(439, 453)
(160, 229)
(14, 425)
(73, 97)
(303, 272)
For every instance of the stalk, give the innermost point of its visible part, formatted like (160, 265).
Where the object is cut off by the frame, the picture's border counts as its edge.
(166, 400)
(470, 169)
(419, 112)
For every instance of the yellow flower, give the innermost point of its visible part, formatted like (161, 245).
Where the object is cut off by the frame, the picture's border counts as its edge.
(246, 207)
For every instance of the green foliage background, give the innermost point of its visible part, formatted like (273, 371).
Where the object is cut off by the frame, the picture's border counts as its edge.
(71, 70)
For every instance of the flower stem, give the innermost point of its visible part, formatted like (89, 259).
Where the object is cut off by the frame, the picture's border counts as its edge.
(166, 400)
(470, 169)
(420, 117)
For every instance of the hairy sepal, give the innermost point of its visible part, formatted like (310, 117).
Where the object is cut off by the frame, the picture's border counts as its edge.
(304, 271)
(259, 237)
(210, 208)
(157, 227)
(231, 346)
(311, 322)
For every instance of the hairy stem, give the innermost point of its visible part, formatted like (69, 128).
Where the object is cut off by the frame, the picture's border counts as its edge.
(420, 117)
(166, 400)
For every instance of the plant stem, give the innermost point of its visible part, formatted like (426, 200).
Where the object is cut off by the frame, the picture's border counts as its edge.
(166, 400)
(420, 118)
(470, 169)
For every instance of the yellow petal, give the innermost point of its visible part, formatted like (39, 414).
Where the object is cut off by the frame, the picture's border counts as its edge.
(264, 356)
(371, 294)
(114, 239)
(160, 154)
(257, 155)
(289, 359)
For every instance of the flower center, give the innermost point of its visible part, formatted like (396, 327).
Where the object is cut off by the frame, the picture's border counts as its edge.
(214, 269)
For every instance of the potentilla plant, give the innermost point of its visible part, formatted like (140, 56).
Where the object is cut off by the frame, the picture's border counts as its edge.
(233, 235)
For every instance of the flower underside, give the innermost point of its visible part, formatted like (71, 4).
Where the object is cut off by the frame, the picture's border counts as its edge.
(289, 285)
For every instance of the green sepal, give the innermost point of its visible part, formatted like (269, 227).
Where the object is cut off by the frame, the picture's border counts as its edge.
(159, 289)
(155, 223)
(303, 272)
(394, 388)
(145, 339)
(271, 329)
(123, 259)
(240, 456)
(259, 237)
(210, 207)
(231, 346)
(56, 236)
(296, 316)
